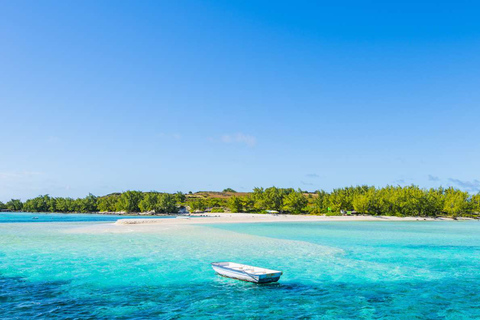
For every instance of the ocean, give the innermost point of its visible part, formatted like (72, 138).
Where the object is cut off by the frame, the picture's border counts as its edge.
(56, 267)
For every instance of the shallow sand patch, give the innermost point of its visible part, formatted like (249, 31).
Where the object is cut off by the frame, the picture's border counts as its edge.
(261, 218)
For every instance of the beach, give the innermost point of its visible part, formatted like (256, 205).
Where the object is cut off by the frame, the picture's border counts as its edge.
(220, 218)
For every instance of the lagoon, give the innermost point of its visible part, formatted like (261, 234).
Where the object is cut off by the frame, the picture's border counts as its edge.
(26, 217)
(349, 270)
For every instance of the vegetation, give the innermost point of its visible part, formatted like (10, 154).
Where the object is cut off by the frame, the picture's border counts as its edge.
(390, 200)
(398, 201)
(14, 205)
(197, 205)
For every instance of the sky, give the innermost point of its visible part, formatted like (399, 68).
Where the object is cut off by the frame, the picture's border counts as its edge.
(109, 96)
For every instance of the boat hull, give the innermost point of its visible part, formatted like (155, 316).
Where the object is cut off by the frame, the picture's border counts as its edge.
(235, 274)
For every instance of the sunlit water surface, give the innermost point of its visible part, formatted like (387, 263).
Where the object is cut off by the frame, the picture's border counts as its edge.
(332, 270)
(18, 217)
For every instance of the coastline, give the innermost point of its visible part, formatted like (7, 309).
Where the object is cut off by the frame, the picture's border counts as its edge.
(215, 218)
(105, 213)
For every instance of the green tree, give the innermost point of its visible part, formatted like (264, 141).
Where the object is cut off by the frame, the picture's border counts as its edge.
(149, 202)
(390, 200)
(229, 190)
(39, 204)
(180, 198)
(85, 205)
(361, 203)
(455, 202)
(248, 204)
(65, 205)
(320, 202)
(167, 204)
(90, 203)
(258, 198)
(339, 200)
(475, 203)
(3, 206)
(215, 202)
(273, 199)
(14, 205)
(197, 205)
(434, 202)
(295, 202)
(129, 200)
(108, 203)
(51, 204)
(235, 204)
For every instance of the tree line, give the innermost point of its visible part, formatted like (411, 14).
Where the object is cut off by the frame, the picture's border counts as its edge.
(129, 201)
(390, 200)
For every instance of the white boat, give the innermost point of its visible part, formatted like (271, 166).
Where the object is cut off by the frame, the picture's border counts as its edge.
(245, 272)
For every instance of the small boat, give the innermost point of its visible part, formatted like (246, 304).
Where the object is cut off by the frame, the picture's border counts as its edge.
(245, 272)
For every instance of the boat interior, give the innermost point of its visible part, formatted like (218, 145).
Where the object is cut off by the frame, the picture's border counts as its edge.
(246, 268)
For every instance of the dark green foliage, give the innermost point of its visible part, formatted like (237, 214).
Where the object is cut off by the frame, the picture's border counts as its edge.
(248, 203)
(216, 202)
(295, 202)
(197, 205)
(475, 203)
(14, 205)
(66, 205)
(40, 204)
(87, 204)
(321, 202)
(129, 201)
(229, 190)
(180, 197)
(167, 204)
(108, 203)
(48, 204)
(235, 204)
(397, 201)
(149, 202)
(268, 199)
(390, 200)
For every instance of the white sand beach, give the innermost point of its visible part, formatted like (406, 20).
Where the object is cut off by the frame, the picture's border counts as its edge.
(162, 224)
(214, 218)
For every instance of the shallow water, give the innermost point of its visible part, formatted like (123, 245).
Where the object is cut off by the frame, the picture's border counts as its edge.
(17, 217)
(332, 270)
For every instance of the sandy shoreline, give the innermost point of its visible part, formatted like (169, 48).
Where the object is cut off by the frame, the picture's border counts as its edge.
(153, 225)
(215, 218)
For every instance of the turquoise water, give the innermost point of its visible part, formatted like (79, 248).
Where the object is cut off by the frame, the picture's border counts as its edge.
(332, 270)
(15, 217)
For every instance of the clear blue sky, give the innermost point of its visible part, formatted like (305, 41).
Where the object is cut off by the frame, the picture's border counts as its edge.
(105, 96)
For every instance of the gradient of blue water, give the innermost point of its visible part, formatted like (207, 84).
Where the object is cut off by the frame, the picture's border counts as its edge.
(16, 217)
(332, 270)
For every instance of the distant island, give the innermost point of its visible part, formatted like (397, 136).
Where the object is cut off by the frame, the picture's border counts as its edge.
(388, 201)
